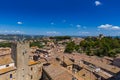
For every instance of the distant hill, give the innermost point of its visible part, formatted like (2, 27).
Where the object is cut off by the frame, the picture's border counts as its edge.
(19, 36)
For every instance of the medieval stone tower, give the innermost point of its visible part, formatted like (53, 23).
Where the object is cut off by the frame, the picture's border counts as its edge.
(20, 54)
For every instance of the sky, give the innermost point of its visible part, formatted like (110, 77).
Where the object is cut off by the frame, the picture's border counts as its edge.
(60, 17)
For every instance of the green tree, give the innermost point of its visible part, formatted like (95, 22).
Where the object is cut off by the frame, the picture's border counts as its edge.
(70, 47)
(38, 44)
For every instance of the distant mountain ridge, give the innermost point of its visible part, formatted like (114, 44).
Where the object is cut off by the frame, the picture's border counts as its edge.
(19, 36)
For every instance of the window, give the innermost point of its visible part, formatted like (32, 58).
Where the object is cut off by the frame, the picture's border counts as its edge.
(31, 68)
(10, 75)
(23, 53)
(31, 77)
(23, 69)
(7, 65)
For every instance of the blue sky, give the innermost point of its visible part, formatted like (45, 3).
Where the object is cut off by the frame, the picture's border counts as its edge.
(60, 17)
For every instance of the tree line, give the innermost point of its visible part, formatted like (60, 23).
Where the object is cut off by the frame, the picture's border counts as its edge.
(37, 43)
(5, 44)
(59, 38)
(106, 46)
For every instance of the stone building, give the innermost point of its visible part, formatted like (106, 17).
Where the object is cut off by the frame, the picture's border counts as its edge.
(19, 66)
(55, 72)
(65, 62)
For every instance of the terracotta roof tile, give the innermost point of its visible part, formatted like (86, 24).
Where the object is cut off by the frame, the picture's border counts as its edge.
(7, 69)
(57, 73)
(6, 60)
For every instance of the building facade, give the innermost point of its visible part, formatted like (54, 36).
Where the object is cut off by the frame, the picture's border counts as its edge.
(23, 67)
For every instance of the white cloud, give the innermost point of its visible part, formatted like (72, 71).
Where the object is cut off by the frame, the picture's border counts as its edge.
(84, 32)
(52, 32)
(52, 23)
(109, 27)
(97, 3)
(5, 31)
(19, 22)
(78, 26)
(12, 32)
(116, 27)
(106, 26)
(18, 32)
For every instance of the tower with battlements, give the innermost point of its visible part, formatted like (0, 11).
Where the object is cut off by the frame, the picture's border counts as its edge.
(20, 54)
(18, 65)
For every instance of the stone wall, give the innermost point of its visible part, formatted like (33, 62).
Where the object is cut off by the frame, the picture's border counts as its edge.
(6, 76)
(35, 72)
(20, 55)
